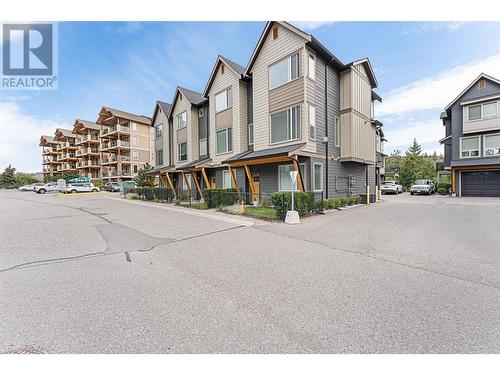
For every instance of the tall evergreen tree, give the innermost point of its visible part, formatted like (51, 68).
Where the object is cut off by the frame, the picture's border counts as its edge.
(8, 178)
(143, 179)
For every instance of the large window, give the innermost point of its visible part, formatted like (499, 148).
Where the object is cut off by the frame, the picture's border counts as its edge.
(203, 146)
(250, 134)
(469, 147)
(227, 181)
(336, 131)
(223, 100)
(159, 130)
(159, 157)
(311, 72)
(492, 145)
(284, 178)
(285, 125)
(284, 71)
(182, 151)
(318, 177)
(135, 154)
(482, 111)
(312, 122)
(224, 141)
(182, 120)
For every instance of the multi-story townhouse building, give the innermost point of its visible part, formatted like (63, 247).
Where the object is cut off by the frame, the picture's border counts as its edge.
(88, 152)
(161, 135)
(294, 107)
(49, 155)
(125, 143)
(66, 150)
(472, 138)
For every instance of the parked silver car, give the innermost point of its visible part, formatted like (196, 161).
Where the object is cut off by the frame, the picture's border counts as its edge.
(80, 187)
(391, 187)
(50, 187)
(30, 187)
(422, 187)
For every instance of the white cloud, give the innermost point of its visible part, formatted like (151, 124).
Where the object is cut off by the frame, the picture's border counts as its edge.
(425, 132)
(310, 25)
(429, 27)
(438, 91)
(20, 137)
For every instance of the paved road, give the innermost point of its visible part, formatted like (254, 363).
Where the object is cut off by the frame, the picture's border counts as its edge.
(91, 274)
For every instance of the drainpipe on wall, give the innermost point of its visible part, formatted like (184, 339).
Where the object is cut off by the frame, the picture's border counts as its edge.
(325, 140)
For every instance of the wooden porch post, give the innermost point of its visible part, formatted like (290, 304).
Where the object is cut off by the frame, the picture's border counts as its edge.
(187, 184)
(250, 182)
(205, 178)
(453, 181)
(193, 174)
(296, 166)
(170, 183)
(233, 177)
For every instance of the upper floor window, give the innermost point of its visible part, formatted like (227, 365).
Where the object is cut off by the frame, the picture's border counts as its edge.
(469, 147)
(159, 130)
(134, 126)
(285, 125)
(203, 146)
(182, 120)
(201, 112)
(482, 111)
(284, 71)
(224, 141)
(312, 122)
(227, 180)
(492, 145)
(250, 134)
(135, 154)
(311, 72)
(182, 151)
(336, 132)
(159, 157)
(223, 100)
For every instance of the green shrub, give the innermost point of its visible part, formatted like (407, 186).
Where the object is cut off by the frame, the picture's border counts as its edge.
(443, 185)
(337, 202)
(177, 202)
(328, 204)
(304, 203)
(442, 191)
(357, 199)
(99, 184)
(217, 197)
(344, 201)
(265, 202)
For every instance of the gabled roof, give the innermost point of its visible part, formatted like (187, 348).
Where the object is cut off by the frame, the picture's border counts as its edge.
(47, 140)
(312, 42)
(193, 97)
(107, 112)
(234, 67)
(165, 108)
(482, 75)
(86, 125)
(61, 133)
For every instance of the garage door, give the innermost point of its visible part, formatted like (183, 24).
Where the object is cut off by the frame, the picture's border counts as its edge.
(481, 184)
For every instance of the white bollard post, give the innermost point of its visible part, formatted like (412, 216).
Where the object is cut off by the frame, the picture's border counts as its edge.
(292, 217)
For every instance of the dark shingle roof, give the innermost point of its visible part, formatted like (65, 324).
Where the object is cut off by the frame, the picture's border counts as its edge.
(165, 107)
(247, 155)
(129, 116)
(235, 66)
(195, 98)
(195, 163)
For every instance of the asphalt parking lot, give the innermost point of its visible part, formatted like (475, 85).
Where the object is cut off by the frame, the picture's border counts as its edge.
(95, 274)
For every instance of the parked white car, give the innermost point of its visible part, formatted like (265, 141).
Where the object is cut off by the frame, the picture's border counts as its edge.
(50, 187)
(391, 187)
(30, 187)
(80, 187)
(422, 187)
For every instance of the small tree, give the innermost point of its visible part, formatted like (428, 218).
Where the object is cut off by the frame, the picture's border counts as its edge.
(8, 178)
(25, 179)
(426, 170)
(143, 179)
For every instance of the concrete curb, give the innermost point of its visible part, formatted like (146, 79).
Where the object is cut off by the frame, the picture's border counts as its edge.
(189, 211)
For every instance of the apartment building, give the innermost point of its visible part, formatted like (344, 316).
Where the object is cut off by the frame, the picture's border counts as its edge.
(88, 152)
(472, 138)
(49, 155)
(125, 143)
(295, 106)
(66, 151)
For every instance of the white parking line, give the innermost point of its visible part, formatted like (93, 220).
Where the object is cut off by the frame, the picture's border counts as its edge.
(191, 211)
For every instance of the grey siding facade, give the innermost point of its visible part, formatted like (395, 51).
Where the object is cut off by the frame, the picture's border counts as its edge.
(203, 127)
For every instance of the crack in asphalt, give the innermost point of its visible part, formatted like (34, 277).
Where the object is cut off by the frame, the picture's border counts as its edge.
(385, 260)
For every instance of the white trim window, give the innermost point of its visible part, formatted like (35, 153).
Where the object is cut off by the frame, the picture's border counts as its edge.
(284, 71)
(159, 130)
(482, 111)
(182, 120)
(201, 112)
(227, 180)
(159, 157)
(134, 140)
(492, 145)
(317, 177)
(285, 125)
(203, 146)
(311, 72)
(336, 131)
(224, 141)
(135, 154)
(223, 100)
(284, 178)
(182, 151)
(469, 147)
(134, 126)
(250, 134)
(312, 122)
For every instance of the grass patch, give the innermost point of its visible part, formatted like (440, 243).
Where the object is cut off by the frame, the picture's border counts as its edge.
(261, 212)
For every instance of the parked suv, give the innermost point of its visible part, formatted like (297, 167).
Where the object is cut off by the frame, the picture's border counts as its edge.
(391, 187)
(112, 186)
(80, 187)
(50, 187)
(422, 187)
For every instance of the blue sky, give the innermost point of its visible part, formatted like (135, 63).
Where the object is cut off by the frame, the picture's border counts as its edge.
(420, 66)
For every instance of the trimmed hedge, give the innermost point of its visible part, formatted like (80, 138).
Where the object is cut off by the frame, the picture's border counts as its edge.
(442, 191)
(151, 194)
(217, 197)
(303, 201)
(332, 203)
(443, 185)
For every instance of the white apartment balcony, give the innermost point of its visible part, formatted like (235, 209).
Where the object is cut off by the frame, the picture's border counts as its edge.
(119, 129)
